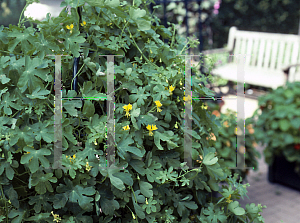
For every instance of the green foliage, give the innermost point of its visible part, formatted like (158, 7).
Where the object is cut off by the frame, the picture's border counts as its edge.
(278, 123)
(225, 143)
(151, 182)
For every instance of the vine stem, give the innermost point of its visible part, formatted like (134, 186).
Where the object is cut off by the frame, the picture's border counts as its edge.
(19, 24)
(4, 203)
(173, 37)
(184, 48)
(152, 109)
(124, 27)
(135, 201)
(76, 76)
(50, 107)
(22, 54)
(131, 211)
(133, 194)
(134, 43)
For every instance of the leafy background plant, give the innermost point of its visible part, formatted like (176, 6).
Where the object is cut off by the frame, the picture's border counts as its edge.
(149, 83)
(279, 117)
(225, 143)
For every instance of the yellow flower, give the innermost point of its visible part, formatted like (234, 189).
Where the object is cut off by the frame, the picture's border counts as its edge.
(151, 129)
(226, 124)
(188, 98)
(228, 199)
(250, 129)
(254, 144)
(74, 156)
(204, 106)
(95, 142)
(127, 109)
(212, 137)
(88, 167)
(158, 104)
(146, 201)
(70, 27)
(133, 215)
(56, 217)
(201, 158)
(227, 143)
(150, 51)
(171, 89)
(127, 114)
(83, 23)
(126, 127)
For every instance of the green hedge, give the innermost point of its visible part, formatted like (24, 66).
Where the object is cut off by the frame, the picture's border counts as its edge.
(152, 182)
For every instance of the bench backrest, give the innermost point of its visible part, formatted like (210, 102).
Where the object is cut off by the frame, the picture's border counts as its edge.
(268, 51)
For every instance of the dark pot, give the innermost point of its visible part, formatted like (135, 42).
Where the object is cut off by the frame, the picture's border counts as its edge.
(283, 172)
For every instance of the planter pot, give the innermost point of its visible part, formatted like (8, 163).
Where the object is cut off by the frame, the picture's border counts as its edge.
(283, 172)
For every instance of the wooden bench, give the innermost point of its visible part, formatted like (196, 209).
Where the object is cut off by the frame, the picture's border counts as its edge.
(273, 58)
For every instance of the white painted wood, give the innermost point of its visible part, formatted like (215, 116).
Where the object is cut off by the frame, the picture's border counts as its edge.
(294, 57)
(231, 38)
(274, 54)
(261, 52)
(287, 54)
(249, 52)
(255, 52)
(243, 47)
(280, 55)
(267, 55)
(266, 63)
(237, 49)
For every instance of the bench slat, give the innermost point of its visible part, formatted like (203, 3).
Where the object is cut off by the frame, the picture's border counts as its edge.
(249, 52)
(261, 51)
(237, 49)
(255, 52)
(267, 36)
(267, 55)
(294, 58)
(288, 52)
(274, 54)
(280, 55)
(243, 47)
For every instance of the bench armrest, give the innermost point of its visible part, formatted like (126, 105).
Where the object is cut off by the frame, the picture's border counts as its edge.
(286, 70)
(220, 50)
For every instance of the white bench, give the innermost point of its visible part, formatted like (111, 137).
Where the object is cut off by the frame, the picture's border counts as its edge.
(273, 58)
